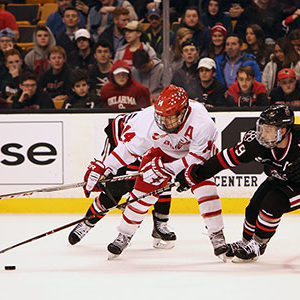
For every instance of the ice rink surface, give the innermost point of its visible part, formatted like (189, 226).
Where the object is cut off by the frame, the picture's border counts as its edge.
(50, 268)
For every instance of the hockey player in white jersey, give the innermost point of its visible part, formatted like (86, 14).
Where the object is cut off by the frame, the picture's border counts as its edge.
(171, 135)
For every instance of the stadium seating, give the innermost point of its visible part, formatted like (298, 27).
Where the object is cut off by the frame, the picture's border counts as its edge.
(46, 10)
(25, 14)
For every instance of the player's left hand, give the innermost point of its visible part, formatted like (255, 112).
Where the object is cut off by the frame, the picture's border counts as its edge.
(155, 173)
(186, 178)
(293, 171)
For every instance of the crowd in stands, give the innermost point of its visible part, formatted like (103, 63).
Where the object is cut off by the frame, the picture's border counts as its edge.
(110, 54)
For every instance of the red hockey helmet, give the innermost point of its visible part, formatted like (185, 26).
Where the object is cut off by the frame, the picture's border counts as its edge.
(171, 108)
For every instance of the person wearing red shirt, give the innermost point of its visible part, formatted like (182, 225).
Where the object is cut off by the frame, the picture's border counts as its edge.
(8, 20)
(122, 91)
(246, 91)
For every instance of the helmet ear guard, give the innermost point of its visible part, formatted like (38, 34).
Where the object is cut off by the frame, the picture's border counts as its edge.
(278, 116)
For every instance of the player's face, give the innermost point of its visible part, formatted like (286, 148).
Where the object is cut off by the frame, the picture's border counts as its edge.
(56, 61)
(121, 78)
(102, 55)
(42, 38)
(288, 85)
(81, 88)
(190, 54)
(269, 136)
(250, 36)
(191, 18)
(245, 82)
(213, 7)
(172, 122)
(217, 38)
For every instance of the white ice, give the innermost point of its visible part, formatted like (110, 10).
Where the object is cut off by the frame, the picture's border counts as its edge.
(50, 268)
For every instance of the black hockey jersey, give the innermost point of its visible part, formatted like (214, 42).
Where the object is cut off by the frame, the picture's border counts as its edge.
(274, 160)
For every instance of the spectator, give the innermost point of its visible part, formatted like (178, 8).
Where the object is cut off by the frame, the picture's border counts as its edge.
(211, 92)
(191, 20)
(55, 20)
(10, 76)
(288, 90)
(285, 56)
(100, 16)
(81, 97)
(82, 57)
(30, 95)
(7, 42)
(99, 73)
(265, 13)
(187, 76)
(233, 58)
(182, 35)
(213, 15)
(122, 91)
(133, 32)
(114, 34)
(217, 44)
(84, 6)
(292, 21)
(37, 59)
(66, 39)
(255, 38)
(294, 37)
(246, 91)
(155, 32)
(148, 71)
(8, 20)
(56, 80)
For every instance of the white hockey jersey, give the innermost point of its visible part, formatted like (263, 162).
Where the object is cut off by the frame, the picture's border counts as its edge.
(193, 143)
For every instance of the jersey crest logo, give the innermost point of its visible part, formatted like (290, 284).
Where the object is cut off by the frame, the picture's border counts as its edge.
(250, 136)
(156, 136)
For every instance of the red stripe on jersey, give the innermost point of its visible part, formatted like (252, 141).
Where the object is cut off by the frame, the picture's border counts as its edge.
(295, 202)
(265, 228)
(131, 221)
(198, 156)
(207, 198)
(231, 151)
(221, 161)
(185, 162)
(212, 214)
(118, 158)
(132, 167)
(114, 132)
(136, 210)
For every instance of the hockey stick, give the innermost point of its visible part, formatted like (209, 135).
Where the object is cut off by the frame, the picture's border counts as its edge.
(69, 186)
(119, 206)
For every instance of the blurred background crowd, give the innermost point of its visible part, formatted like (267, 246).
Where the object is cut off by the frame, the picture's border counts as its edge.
(113, 54)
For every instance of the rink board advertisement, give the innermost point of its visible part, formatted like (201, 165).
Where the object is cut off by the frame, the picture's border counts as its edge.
(45, 150)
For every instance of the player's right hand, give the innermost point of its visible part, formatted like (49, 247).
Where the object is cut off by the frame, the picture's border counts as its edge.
(96, 171)
(186, 178)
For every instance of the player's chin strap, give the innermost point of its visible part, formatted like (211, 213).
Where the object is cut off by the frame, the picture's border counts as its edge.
(104, 212)
(68, 186)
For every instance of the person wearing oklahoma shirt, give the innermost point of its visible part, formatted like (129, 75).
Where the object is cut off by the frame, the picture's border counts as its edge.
(122, 91)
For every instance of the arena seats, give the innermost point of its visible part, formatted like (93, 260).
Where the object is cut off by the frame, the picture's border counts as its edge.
(25, 14)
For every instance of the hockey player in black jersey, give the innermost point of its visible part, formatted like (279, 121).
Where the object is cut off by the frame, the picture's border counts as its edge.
(276, 144)
(163, 236)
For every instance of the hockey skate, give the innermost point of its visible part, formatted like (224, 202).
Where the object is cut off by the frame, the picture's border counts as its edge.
(220, 247)
(79, 232)
(233, 247)
(249, 252)
(164, 237)
(118, 245)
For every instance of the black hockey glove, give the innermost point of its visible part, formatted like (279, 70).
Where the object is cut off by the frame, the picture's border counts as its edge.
(187, 178)
(293, 171)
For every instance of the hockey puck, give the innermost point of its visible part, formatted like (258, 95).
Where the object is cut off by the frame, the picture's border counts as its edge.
(10, 267)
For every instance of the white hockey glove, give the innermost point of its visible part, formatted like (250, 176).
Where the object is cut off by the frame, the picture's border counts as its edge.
(155, 173)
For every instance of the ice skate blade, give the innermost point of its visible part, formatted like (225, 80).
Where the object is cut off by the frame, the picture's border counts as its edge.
(238, 260)
(161, 244)
(112, 256)
(223, 257)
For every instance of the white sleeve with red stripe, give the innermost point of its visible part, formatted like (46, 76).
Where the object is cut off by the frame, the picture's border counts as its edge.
(119, 158)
